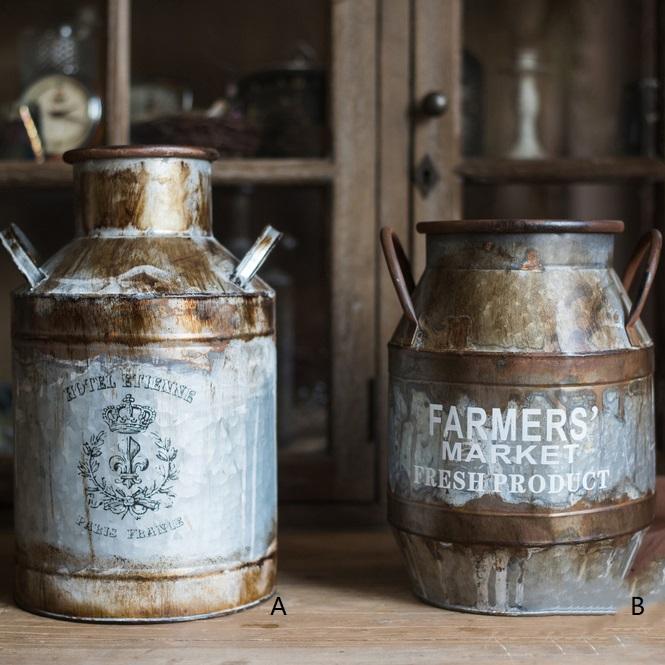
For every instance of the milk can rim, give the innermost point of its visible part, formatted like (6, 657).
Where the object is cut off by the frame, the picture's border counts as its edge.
(520, 226)
(140, 152)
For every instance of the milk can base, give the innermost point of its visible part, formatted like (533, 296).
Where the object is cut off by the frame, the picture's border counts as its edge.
(193, 617)
(576, 578)
(110, 597)
(567, 611)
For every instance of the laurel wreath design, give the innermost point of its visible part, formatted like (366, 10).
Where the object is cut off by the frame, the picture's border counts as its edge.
(100, 492)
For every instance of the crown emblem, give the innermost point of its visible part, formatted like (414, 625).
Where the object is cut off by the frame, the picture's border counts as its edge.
(128, 418)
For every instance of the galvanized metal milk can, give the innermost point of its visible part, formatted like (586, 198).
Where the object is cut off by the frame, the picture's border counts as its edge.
(144, 378)
(521, 450)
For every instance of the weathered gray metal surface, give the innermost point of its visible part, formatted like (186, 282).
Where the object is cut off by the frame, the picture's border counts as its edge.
(521, 452)
(145, 406)
(562, 579)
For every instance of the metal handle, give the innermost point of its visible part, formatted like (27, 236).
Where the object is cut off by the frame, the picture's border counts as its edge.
(400, 271)
(651, 241)
(434, 104)
(255, 257)
(23, 254)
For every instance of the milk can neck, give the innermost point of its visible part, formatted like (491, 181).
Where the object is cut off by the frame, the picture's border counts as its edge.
(519, 251)
(137, 196)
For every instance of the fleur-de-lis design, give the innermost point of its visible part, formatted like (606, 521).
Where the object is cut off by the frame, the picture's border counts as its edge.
(153, 493)
(129, 464)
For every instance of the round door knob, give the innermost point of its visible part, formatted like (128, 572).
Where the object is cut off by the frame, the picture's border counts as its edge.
(434, 104)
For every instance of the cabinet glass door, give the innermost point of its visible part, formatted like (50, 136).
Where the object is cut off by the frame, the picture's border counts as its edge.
(554, 110)
(285, 93)
(548, 79)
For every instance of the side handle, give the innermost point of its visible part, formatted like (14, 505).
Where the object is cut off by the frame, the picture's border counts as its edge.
(257, 254)
(651, 242)
(23, 254)
(400, 271)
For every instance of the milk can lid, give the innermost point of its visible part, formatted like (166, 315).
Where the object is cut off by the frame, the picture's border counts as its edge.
(520, 226)
(140, 152)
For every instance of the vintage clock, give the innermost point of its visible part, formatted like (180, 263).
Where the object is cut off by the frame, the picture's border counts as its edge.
(68, 112)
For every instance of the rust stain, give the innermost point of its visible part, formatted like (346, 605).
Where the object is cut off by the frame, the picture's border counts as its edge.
(118, 199)
(579, 553)
(203, 201)
(182, 193)
(498, 250)
(532, 261)
(146, 597)
(456, 331)
(114, 202)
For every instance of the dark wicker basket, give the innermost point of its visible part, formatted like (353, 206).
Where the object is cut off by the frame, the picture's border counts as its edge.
(231, 135)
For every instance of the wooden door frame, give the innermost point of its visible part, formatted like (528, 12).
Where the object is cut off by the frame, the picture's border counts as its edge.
(437, 67)
(118, 71)
(347, 471)
(420, 53)
(353, 241)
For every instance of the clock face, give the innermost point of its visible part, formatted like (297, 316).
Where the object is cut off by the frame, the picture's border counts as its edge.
(67, 112)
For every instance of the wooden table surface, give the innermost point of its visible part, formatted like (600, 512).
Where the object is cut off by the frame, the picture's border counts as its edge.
(347, 601)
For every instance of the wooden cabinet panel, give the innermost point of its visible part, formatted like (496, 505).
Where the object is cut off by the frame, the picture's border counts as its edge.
(436, 68)
(353, 244)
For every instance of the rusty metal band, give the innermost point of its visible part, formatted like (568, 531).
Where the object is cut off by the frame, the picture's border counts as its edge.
(532, 529)
(520, 226)
(132, 321)
(521, 369)
(140, 152)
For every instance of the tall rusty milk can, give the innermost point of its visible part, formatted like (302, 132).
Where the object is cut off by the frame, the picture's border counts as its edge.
(521, 432)
(144, 379)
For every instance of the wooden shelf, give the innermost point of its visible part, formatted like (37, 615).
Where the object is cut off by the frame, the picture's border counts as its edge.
(31, 174)
(347, 599)
(545, 171)
(224, 172)
(272, 171)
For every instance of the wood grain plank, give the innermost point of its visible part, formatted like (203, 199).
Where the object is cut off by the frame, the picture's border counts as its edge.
(224, 172)
(353, 243)
(394, 190)
(30, 174)
(272, 171)
(437, 67)
(563, 170)
(118, 47)
(347, 600)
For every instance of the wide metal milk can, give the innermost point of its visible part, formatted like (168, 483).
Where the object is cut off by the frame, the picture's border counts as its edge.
(144, 379)
(521, 449)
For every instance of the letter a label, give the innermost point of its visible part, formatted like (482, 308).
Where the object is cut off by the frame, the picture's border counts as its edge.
(278, 606)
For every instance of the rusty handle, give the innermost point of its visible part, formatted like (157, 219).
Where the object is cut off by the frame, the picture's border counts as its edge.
(400, 271)
(652, 242)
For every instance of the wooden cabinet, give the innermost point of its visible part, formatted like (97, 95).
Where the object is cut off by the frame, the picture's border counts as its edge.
(594, 103)
(326, 274)
(387, 159)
